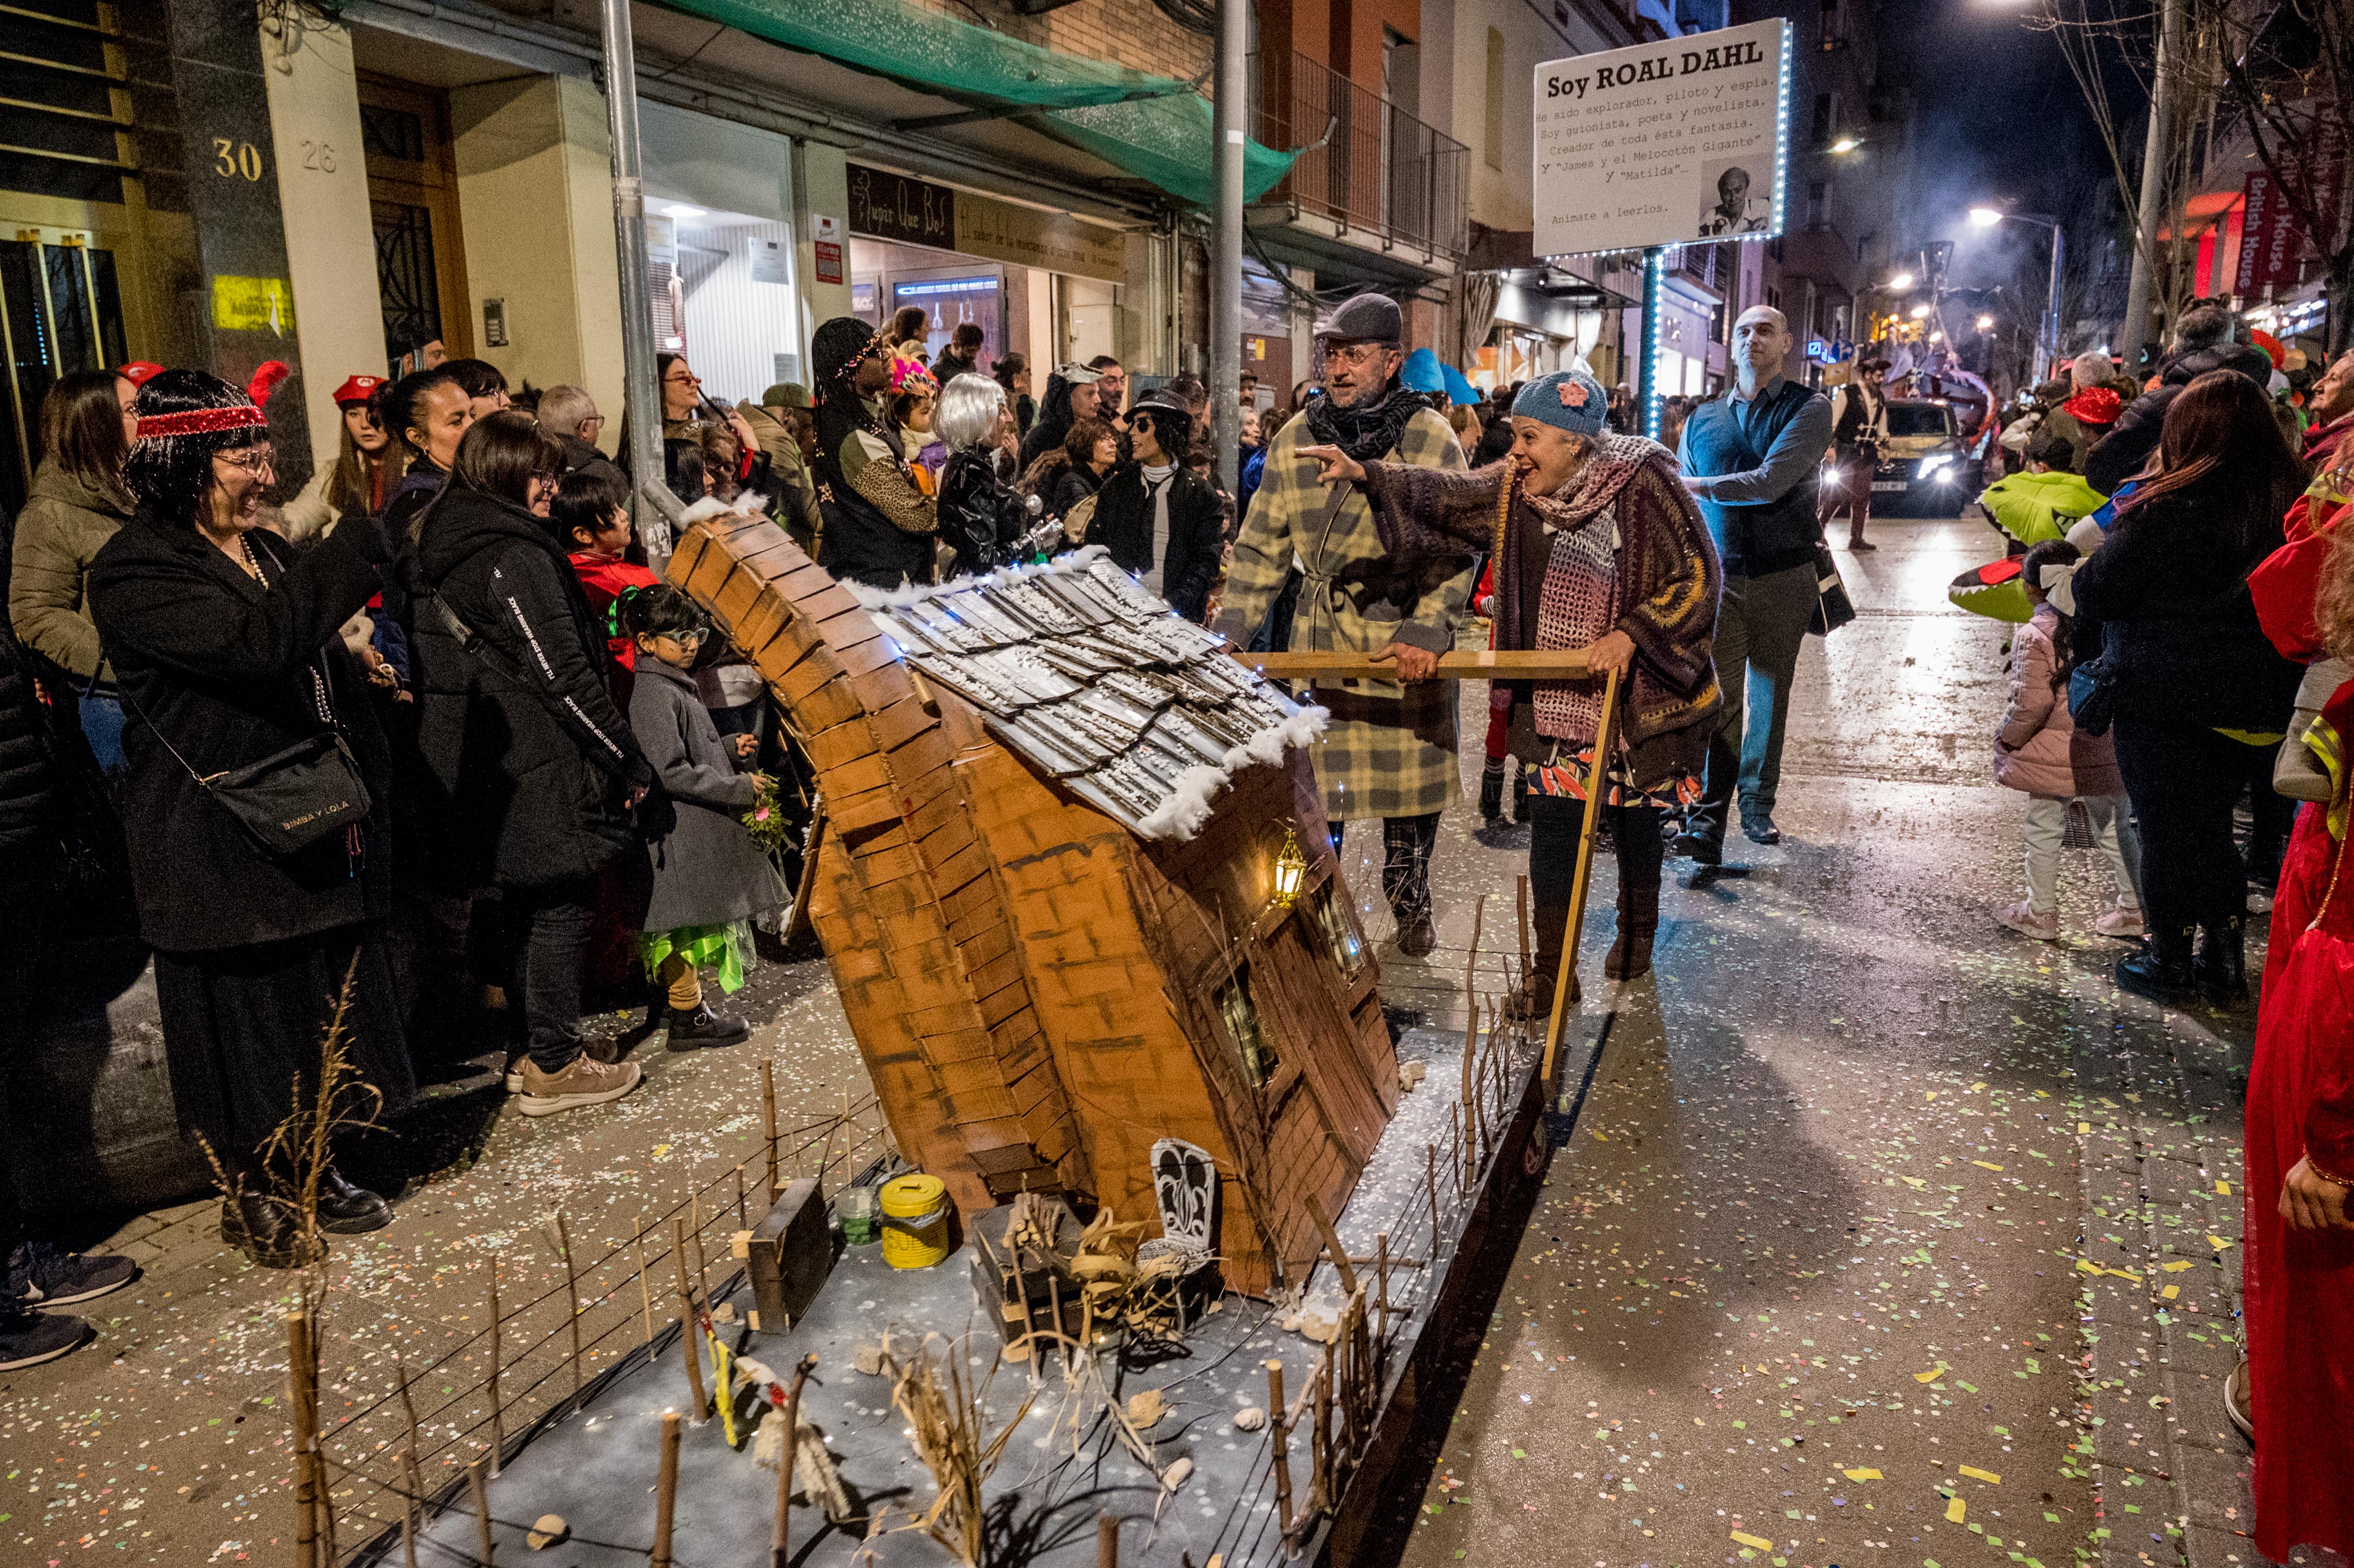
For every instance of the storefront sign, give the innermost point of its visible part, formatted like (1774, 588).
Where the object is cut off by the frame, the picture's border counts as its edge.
(917, 212)
(1682, 140)
(2272, 241)
(253, 304)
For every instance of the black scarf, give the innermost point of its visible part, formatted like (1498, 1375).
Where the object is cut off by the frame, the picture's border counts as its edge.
(1368, 431)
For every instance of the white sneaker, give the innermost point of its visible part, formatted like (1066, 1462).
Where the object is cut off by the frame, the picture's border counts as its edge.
(2023, 918)
(2121, 923)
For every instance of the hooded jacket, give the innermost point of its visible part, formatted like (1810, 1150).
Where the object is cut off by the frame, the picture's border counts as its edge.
(2119, 455)
(65, 524)
(1054, 422)
(2037, 747)
(528, 762)
(215, 667)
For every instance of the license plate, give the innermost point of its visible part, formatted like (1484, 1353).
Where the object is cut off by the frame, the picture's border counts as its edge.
(1889, 484)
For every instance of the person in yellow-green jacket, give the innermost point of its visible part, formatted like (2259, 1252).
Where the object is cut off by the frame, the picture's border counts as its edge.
(2041, 501)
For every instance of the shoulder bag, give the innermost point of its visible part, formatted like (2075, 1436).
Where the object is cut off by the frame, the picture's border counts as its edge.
(290, 800)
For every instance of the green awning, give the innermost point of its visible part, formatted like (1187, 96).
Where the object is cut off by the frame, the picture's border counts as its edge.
(1153, 127)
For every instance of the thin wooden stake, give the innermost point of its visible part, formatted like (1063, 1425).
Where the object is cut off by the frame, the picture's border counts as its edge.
(769, 1109)
(408, 1406)
(1107, 1541)
(666, 1486)
(1333, 1243)
(741, 1222)
(498, 1418)
(702, 1268)
(1430, 1159)
(645, 1290)
(415, 1484)
(480, 1495)
(1523, 896)
(1381, 1274)
(1278, 1427)
(780, 1536)
(687, 1328)
(1320, 1434)
(572, 1292)
(306, 1439)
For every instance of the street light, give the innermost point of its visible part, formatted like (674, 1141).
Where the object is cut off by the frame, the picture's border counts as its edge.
(1936, 337)
(1901, 282)
(1845, 144)
(1921, 313)
(2047, 335)
(1986, 323)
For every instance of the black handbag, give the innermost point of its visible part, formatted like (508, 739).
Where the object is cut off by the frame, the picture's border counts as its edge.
(1833, 608)
(290, 800)
(2092, 697)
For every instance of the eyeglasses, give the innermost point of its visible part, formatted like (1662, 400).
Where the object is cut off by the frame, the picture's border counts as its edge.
(254, 462)
(597, 419)
(1356, 353)
(689, 379)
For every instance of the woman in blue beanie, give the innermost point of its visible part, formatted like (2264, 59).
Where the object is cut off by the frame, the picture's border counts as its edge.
(1602, 548)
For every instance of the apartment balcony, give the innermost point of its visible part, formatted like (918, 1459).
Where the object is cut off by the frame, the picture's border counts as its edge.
(1377, 191)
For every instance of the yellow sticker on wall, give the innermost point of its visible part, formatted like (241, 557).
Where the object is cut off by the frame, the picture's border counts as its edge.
(253, 304)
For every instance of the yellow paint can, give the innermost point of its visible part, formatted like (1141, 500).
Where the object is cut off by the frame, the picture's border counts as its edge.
(915, 1221)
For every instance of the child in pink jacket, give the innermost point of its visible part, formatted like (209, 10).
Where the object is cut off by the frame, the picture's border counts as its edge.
(2037, 749)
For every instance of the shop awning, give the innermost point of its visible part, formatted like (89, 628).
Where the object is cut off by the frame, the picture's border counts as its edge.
(1154, 127)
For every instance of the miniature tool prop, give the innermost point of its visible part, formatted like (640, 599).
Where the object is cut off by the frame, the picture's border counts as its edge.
(1604, 733)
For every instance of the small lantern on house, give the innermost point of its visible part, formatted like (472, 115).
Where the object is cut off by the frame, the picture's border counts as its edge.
(1290, 870)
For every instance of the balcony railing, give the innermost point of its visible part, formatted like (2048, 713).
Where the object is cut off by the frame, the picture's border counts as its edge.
(1368, 163)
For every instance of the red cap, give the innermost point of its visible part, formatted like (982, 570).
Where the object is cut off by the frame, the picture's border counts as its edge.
(2095, 405)
(358, 389)
(138, 371)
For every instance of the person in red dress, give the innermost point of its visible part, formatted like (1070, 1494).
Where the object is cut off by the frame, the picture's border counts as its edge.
(2299, 1260)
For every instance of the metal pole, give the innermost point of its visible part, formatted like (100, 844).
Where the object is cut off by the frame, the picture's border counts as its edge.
(1646, 384)
(2153, 191)
(2051, 310)
(1229, 114)
(658, 510)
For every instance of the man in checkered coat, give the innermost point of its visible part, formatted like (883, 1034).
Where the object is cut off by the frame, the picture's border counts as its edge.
(1390, 751)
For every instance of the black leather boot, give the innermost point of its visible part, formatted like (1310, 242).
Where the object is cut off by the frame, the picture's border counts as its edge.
(1534, 998)
(1639, 922)
(348, 1211)
(262, 1228)
(705, 1029)
(1491, 789)
(1519, 793)
(2161, 970)
(2220, 969)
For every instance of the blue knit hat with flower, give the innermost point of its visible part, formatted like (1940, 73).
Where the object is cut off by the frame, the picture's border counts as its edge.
(1569, 399)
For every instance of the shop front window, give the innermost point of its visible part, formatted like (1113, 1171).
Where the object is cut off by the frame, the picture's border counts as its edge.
(950, 302)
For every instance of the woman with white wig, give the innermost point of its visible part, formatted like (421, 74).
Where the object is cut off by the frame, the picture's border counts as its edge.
(982, 517)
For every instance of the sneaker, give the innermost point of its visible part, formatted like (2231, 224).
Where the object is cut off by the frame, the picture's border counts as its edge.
(2023, 918)
(41, 1275)
(2237, 1403)
(2121, 923)
(584, 1082)
(29, 1338)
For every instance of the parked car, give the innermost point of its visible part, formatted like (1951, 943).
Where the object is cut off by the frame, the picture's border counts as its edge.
(1927, 469)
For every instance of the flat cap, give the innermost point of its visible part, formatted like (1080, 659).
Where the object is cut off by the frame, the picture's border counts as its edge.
(1368, 318)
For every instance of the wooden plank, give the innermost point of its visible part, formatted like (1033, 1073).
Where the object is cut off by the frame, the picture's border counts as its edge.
(1480, 665)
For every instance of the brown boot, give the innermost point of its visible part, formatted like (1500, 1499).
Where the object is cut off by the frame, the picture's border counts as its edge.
(1639, 922)
(1534, 998)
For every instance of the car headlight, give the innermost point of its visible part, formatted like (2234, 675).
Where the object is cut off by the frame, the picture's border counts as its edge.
(1931, 465)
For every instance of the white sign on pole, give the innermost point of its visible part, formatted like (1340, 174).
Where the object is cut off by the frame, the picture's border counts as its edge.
(1680, 141)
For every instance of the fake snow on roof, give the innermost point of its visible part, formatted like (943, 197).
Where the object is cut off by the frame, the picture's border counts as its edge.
(1099, 683)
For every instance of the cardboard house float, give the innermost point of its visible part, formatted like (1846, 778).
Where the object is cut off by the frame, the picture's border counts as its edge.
(1045, 884)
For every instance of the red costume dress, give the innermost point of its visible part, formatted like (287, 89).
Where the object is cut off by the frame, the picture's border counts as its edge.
(2300, 1284)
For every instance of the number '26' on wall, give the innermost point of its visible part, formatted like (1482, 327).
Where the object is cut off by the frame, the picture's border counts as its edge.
(233, 160)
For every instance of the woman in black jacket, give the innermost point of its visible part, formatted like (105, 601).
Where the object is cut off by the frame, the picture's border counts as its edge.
(983, 518)
(532, 771)
(2191, 671)
(1159, 518)
(225, 649)
(883, 524)
(1092, 451)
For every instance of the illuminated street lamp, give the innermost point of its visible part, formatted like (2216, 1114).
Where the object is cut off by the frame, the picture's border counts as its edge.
(1986, 323)
(2047, 335)
(1921, 313)
(1845, 144)
(1290, 870)
(1936, 337)
(1901, 282)
(1986, 216)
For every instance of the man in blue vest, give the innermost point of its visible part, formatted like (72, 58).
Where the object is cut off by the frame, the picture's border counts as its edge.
(1750, 458)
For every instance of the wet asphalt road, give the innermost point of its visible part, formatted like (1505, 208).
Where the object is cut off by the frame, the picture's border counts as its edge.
(1805, 1288)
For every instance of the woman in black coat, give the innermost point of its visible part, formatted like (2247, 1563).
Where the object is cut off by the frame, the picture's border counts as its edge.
(532, 771)
(225, 649)
(983, 518)
(1159, 518)
(2191, 670)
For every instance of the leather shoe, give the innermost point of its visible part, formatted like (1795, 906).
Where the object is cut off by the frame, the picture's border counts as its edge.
(1416, 937)
(705, 1028)
(1761, 829)
(348, 1211)
(1700, 847)
(262, 1228)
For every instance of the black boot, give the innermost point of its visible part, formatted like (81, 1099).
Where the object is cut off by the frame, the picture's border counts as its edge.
(262, 1228)
(1534, 998)
(2220, 969)
(1519, 793)
(703, 1029)
(348, 1211)
(1491, 789)
(1639, 922)
(2161, 970)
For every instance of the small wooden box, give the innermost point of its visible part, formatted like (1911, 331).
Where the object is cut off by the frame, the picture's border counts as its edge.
(1040, 1278)
(790, 1255)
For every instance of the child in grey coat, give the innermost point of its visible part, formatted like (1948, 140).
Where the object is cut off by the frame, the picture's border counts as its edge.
(709, 878)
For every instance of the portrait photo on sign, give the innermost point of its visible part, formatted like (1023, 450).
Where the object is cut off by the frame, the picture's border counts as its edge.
(1734, 202)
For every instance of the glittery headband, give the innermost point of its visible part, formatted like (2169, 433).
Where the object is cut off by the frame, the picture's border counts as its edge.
(855, 360)
(201, 421)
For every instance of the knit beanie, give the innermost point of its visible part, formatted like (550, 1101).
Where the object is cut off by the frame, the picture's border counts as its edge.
(1567, 400)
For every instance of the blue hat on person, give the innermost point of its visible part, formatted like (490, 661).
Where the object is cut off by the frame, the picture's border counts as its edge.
(1458, 385)
(1569, 399)
(1423, 373)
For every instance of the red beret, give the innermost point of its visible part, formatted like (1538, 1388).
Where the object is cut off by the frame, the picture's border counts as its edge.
(138, 371)
(358, 389)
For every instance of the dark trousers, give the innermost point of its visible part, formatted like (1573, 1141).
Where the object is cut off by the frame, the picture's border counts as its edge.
(1555, 823)
(1407, 843)
(1853, 495)
(2270, 814)
(2184, 780)
(547, 932)
(22, 894)
(1761, 624)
